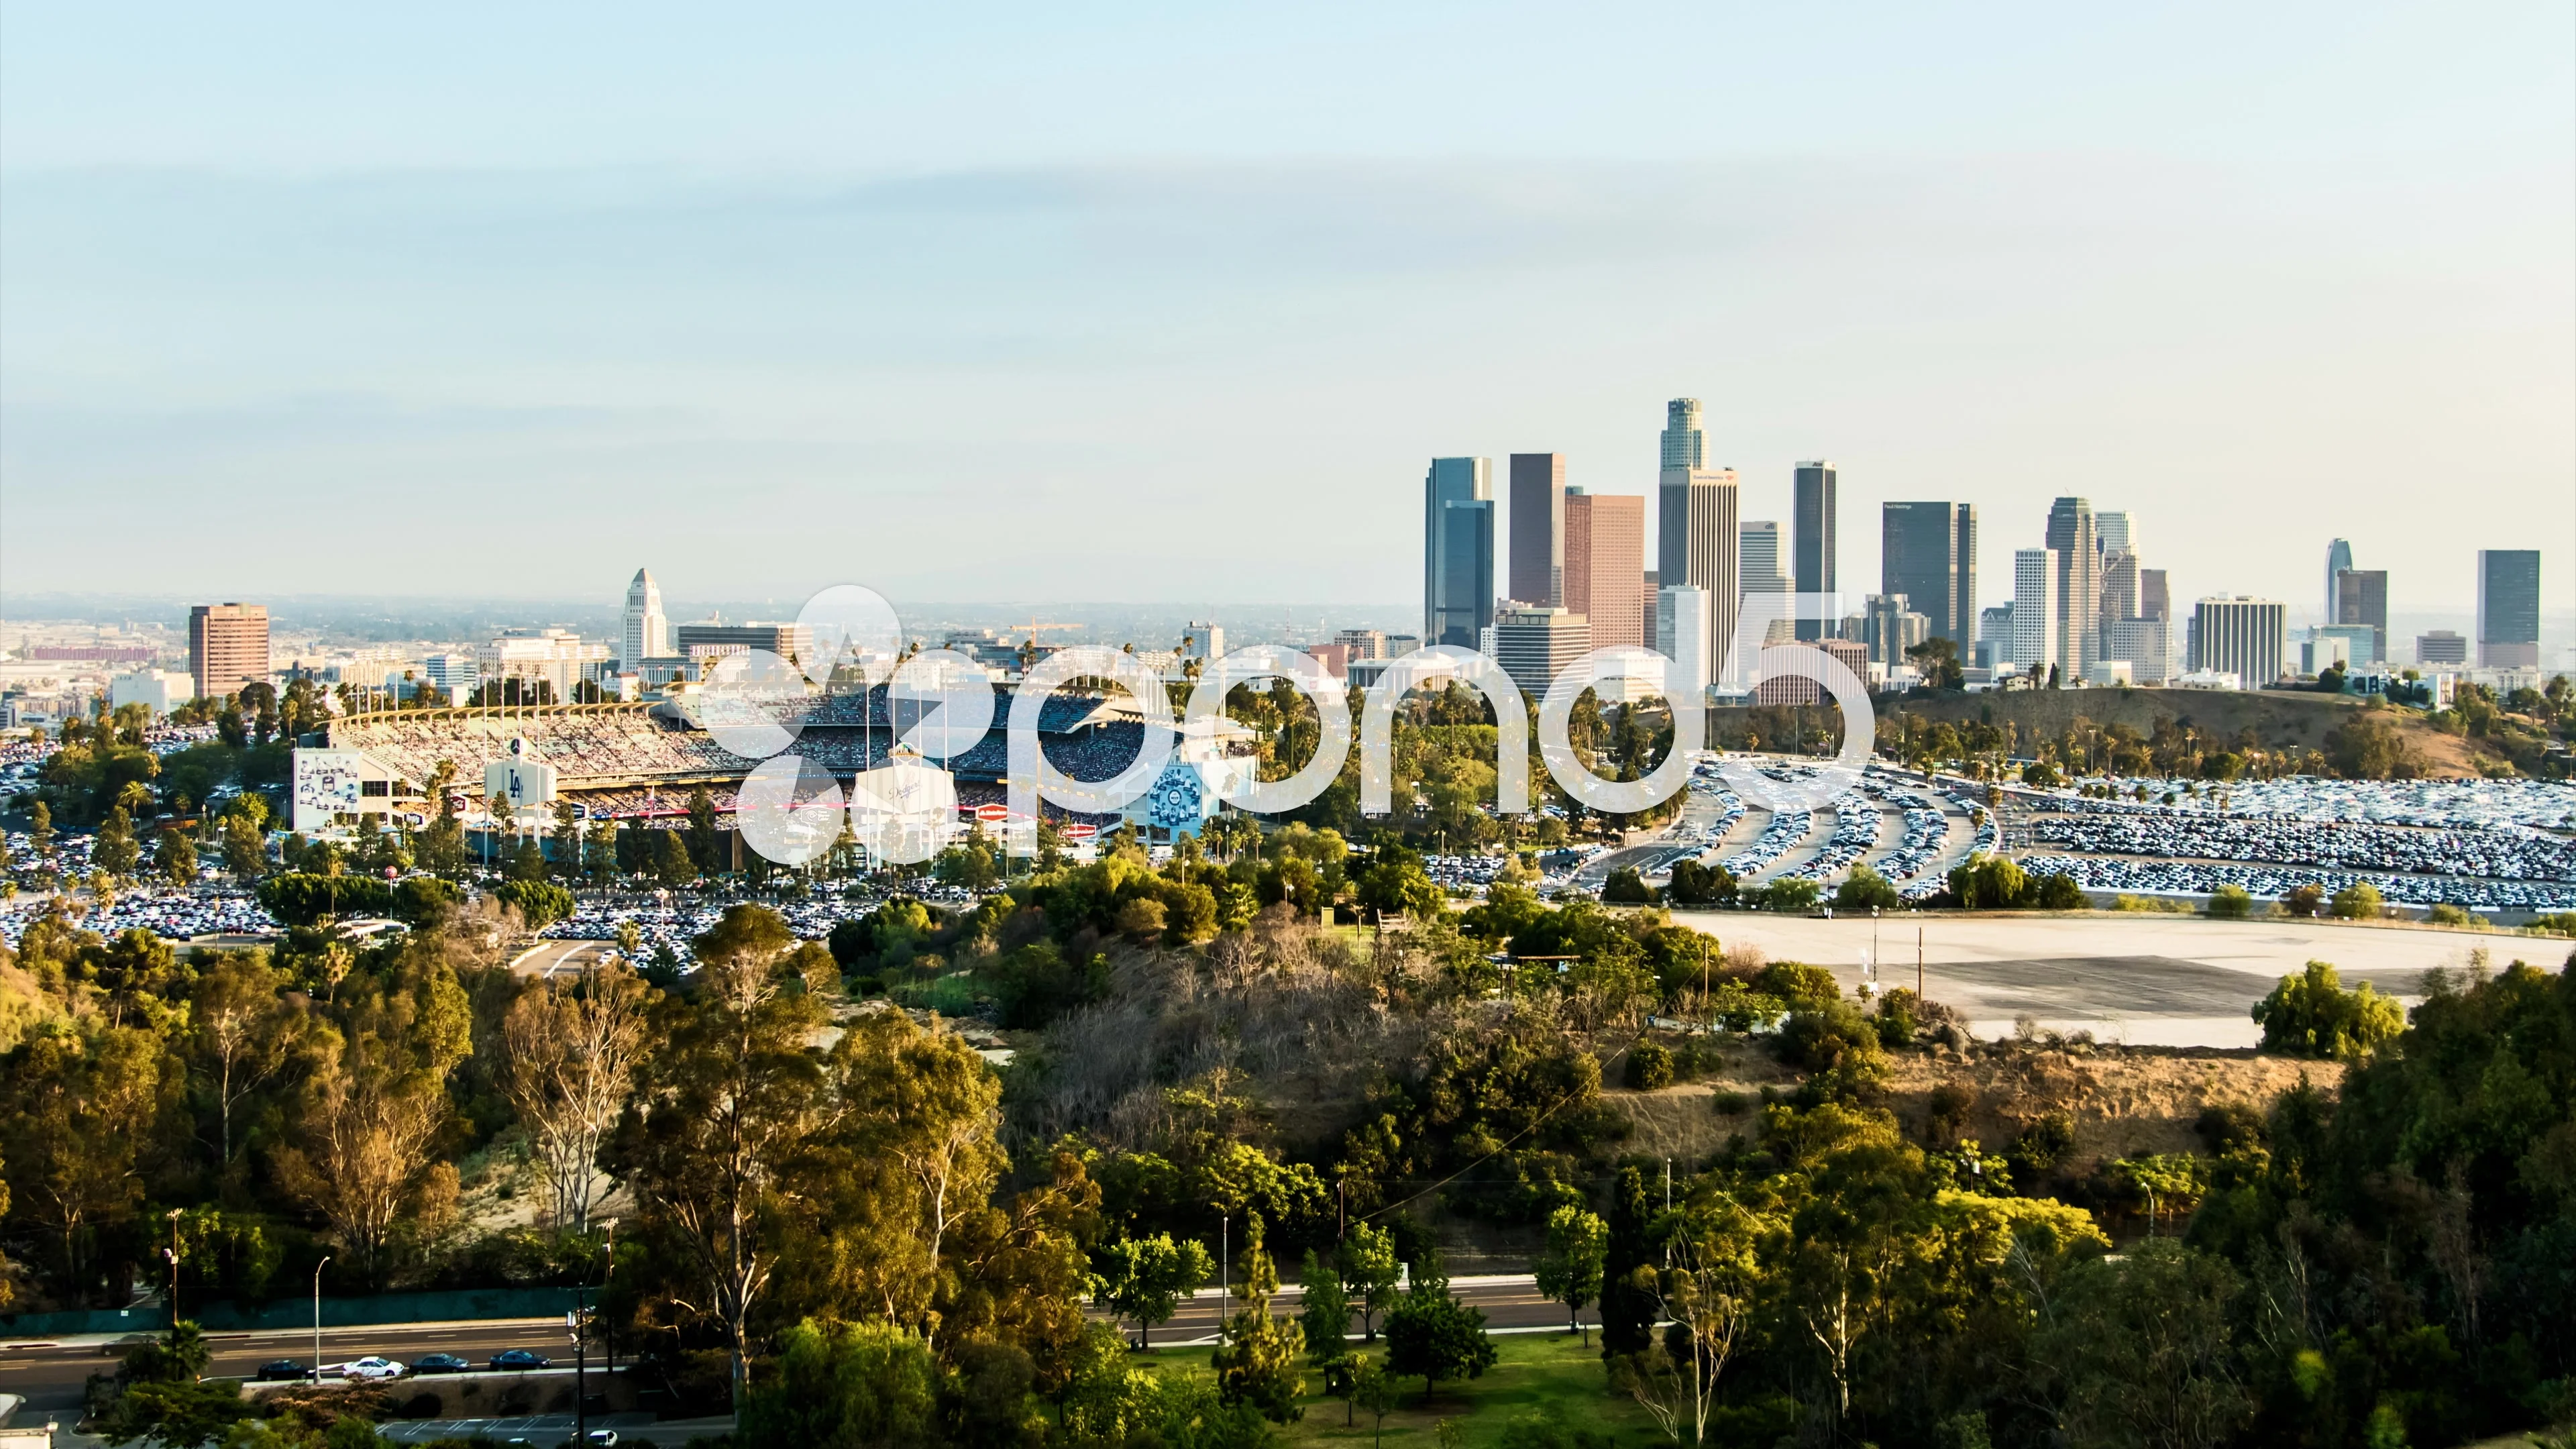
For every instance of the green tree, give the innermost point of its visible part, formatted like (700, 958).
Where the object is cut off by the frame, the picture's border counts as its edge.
(702, 831)
(1324, 1311)
(1569, 1271)
(1370, 1272)
(244, 1035)
(114, 850)
(848, 1386)
(540, 903)
(1256, 1363)
(245, 845)
(1865, 888)
(1146, 1278)
(1373, 1389)
(727, 1103)
(1431, 1335)
(176, 855)
(2231, 903)
(672, 864)
(2311, 1015)
(2137, 1352)
(2359, 901)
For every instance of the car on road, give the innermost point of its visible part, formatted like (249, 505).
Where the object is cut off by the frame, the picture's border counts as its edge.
(371, 1367)
(520, 1358)
(283, 1370)
(441, 1363)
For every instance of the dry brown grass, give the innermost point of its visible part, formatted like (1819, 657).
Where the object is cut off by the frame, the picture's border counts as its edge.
(2122, 1100)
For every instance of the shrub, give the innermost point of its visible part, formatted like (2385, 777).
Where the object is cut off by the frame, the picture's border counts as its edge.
(1626, 888)
(2231, 903)
(2311, 1015)
(1865, 888)
(2304, 900)
(2056, 893)
(2359, 901)
(1787, 897)
(1650, 1066)
(2151, 904)
(2561, 924)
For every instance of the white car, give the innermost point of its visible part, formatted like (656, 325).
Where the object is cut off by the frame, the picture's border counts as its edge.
(371, 1368)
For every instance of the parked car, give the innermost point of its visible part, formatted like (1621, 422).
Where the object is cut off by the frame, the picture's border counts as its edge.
(602, 1439)
(285, 1370)
(371, 1367)
(520, 1358)
(441, 1363)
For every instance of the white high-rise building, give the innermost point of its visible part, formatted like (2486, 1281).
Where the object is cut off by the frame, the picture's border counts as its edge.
(648, 629)
(1683, 624)
(2034, 609)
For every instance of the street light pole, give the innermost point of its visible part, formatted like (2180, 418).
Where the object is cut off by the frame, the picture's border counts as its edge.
(173, 1250)
(317, 1319)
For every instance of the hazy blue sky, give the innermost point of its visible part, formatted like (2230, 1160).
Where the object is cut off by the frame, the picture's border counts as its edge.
(1175, 303)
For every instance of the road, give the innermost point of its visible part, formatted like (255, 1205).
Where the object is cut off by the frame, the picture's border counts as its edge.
(51, 1374)
(548, 958)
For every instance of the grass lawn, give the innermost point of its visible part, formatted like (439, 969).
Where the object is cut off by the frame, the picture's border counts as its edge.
(1533, 1370)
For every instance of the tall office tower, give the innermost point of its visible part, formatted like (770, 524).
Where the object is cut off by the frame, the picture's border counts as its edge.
(1649, 587)
(1920, 557)
(2034, 609)
(2155, 595)
(2079, 585)
(1605, 564)
(1685, 444)
(2246, 637)
(1696, 537)
(227, 648)
(2338, 559)
(2119, 587)
(2509, 608)
(2111, 534)
(1682, 621)
(1812, 537)
(1963, 578)
(2361, 597)
(1457, 550)
(1537, 573)
(1534, 646)
(648, 629)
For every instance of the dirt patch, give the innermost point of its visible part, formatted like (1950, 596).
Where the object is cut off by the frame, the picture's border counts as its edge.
(2279, 717)
(2122, 1101)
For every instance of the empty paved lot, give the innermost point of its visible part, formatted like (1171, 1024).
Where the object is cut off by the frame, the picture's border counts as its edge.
(2174, 980)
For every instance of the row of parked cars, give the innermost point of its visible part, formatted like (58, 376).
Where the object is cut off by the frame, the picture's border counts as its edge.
(376, 1367)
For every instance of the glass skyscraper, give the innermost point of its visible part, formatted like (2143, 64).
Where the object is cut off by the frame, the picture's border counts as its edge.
(1457, 550)
(2509, 608)
(1812, 536)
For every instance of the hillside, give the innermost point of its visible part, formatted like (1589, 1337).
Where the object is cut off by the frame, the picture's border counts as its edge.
(2280, 718)
(2123, 1101)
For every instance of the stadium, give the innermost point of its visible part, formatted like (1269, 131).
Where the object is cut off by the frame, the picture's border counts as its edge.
(639, 763)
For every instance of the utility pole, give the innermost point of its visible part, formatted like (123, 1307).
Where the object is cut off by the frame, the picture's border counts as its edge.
(1918, 965)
